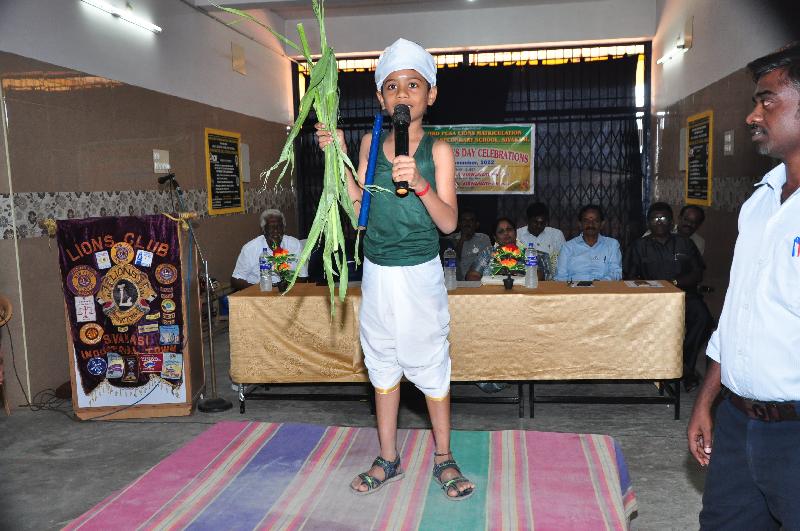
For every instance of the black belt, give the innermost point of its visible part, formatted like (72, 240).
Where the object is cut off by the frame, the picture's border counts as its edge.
(763, 411)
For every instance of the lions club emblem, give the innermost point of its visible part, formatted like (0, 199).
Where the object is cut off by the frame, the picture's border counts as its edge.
(91, 334)
(166, 274)
(122, 253)
(82, 280)
(125, 294)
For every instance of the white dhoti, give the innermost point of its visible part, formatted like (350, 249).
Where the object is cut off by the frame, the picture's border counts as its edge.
(404, 325)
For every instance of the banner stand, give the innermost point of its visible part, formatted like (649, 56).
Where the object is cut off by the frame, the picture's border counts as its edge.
(193, 376)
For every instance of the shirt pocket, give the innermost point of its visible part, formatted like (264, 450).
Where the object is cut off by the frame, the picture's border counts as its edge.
(785, 277)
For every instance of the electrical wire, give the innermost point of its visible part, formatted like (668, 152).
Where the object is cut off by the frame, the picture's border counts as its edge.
(46, 400)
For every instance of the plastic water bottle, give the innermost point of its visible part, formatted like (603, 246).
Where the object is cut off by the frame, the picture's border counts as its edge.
(265, 267)
(531, 267)
(450, 281)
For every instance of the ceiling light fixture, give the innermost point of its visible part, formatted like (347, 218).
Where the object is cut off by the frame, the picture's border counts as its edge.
(124, 14)
(682, 44)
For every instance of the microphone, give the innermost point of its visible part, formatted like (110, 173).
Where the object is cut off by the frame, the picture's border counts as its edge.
(165, 178)
(400, 121)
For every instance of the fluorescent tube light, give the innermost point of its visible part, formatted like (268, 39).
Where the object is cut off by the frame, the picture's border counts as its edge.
(124, 14)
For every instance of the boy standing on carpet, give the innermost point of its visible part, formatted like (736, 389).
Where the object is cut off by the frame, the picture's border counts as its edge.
(404, 318)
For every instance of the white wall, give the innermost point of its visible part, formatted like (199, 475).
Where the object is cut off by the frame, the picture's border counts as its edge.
(588, 21)
(191, 58)
(727, 34)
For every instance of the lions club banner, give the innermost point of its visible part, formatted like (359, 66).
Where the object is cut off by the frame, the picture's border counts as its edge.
(124, 298)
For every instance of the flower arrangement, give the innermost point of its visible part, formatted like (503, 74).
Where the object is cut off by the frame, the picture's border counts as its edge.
(280, 261)
(508, 260)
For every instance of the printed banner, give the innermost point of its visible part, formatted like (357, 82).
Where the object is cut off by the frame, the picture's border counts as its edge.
(124, 296)
(490, 159)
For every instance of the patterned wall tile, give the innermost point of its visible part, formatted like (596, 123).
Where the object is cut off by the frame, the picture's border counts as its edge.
(6, 217)
(727, 193)
(30, 209)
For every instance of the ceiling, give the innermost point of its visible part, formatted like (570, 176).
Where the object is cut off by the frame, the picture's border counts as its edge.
(296, 9)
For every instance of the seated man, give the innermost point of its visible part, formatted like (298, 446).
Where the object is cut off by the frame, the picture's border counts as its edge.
(544, 238)
(689, 220)
(247, 270)
(673, 257)
(468, 244)
(590, 255)
(504, 234)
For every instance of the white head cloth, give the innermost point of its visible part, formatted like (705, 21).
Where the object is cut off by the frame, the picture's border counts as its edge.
(403, 55)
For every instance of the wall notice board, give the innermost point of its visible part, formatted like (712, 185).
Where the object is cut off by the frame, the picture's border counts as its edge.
(699, 158)
(223, 172)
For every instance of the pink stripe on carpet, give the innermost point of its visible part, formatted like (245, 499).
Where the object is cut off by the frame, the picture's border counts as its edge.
(496, 514)
(167, 478)
(560, 477)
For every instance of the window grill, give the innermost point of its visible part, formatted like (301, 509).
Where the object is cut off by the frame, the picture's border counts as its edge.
(590, 106)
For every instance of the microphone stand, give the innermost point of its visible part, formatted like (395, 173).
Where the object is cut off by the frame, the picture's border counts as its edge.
(215, 404)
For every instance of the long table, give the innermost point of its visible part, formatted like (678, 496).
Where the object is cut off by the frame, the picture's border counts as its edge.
(556, 332)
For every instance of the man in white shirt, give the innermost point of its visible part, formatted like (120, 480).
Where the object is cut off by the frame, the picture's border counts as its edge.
(753, 477)
(544, 238)
(247, 270)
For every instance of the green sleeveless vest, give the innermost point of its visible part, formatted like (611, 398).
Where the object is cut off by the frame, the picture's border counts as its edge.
(400, 232)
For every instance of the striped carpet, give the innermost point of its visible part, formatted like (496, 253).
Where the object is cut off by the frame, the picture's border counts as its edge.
(253, 475)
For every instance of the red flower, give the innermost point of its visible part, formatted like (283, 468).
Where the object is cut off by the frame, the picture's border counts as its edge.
(508, 262)
(279, 252)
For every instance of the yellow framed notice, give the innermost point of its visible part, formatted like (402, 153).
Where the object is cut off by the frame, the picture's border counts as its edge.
(699, 158)
(223, 172)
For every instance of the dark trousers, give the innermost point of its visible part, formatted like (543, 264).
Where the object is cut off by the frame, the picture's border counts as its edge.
(698, 328)
(753, 480)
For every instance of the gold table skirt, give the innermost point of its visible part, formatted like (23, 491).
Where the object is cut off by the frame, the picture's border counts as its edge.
(555, 332)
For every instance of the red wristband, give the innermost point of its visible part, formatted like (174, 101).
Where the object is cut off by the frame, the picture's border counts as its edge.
(425, 191)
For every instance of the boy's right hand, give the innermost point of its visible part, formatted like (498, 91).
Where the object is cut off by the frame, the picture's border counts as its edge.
(324, 137)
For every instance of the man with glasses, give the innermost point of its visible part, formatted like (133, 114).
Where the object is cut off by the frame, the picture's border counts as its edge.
(689, 220)
(664, 255)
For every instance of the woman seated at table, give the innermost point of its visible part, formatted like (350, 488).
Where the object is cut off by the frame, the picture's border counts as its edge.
(505, 233)
(590, 255)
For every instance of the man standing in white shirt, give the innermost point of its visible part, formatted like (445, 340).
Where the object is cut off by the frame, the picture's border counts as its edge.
(544, 238)
(753, 477)
(247, 272)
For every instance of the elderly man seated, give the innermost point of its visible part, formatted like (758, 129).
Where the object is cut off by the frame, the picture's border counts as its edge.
(247, 272)
(590, 255)
(664, 255)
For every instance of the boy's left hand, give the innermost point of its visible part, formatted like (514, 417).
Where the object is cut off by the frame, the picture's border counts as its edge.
(404, 168)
